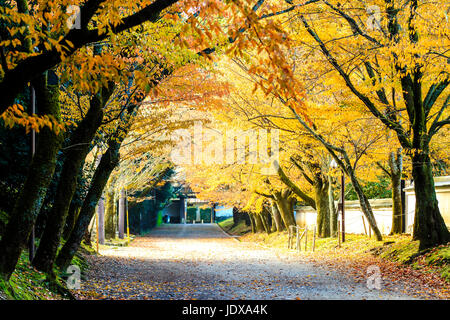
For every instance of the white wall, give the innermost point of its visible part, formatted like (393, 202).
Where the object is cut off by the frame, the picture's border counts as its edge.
(442, 187)
(382, 209)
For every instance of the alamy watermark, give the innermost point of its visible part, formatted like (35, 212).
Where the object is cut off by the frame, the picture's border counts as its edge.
(373, 22)
(73, 281)
(374, 279)
(74, 20)
(209, 146)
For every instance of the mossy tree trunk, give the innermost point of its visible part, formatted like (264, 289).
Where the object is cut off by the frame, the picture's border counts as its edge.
(40, 173)
(396, 166)
(259, 226)
(276, 221)
(107, 164)
(265, 220)
(252, 223)
(321, 189)
(110, 210)
(76, 153)
(333, 211)
(102, 173)
(429, 226)
(75, 206)
(284, 202)
(74, 210)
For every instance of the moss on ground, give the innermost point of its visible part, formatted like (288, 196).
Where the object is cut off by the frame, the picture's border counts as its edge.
(26, 283)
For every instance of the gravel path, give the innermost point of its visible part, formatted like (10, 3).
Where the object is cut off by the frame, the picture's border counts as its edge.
(202, 262)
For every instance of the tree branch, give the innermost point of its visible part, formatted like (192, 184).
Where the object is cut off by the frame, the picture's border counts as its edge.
(394, 125)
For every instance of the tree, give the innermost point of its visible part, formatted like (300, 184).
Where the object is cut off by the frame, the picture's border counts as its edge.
(74, 158)
(334, 123)
(33, 192)
(391, 73)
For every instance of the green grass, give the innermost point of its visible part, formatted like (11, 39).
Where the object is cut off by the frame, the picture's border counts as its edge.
(239, 230)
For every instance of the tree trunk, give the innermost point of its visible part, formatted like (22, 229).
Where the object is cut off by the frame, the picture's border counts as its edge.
(268, 218)
(263, 216)
(365, 206)
(284, 203)
(321, 189)
(75, 205)
(252, 223)
(429, 226)
(333, 211)
(110, 211)
(395, 165)
(259, 227)
(87, 237)
(77, 151)
(32, 195)
(277, 222)
(107, 164)
(72, 216)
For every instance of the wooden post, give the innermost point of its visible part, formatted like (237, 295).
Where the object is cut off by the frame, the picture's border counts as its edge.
(306, 238)
(314, 239)
(298, 239)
